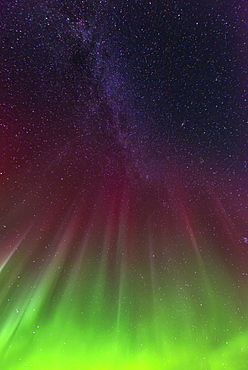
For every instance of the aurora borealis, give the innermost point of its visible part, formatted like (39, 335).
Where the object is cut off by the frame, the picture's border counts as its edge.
(123, 178)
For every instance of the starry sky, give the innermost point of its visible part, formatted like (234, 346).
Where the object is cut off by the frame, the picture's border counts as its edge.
(123, 181)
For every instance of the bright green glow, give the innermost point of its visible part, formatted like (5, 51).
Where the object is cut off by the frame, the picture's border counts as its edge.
(187, 319)
(50, 350)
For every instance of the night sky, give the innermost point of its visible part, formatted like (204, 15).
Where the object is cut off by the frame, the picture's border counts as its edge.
(123, 183)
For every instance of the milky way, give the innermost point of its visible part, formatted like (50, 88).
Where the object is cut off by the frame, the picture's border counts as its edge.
(123, 175)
